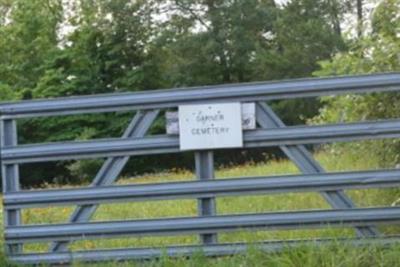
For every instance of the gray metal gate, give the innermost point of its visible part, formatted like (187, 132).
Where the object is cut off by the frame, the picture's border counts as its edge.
(272, 132)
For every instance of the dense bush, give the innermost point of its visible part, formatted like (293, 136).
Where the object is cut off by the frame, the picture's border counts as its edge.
(377, 52)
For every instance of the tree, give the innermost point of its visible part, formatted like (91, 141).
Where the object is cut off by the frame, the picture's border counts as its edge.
(105, 53)
(214, 41)
(304, 33)
(126, 45)
(27, 40)
(359, 18)
(378, 52)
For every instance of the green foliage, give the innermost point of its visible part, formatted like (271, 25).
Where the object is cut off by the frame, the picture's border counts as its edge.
(27, 40)
(211, 42)
(243, 41)
(125, 45)
(305, 36)
(305, 33)
(6, 93)
(378, 52)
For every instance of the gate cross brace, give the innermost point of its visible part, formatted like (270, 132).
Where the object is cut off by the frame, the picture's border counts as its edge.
(267, 118)
(110, 170)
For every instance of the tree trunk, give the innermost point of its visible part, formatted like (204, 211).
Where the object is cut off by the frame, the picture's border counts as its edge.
(359, 18)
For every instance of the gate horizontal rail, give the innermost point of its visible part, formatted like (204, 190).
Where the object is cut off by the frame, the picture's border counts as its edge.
(147, 104)
(206, 224)
(202, 189)
(112, 147)
(225, 249)
(260, 91)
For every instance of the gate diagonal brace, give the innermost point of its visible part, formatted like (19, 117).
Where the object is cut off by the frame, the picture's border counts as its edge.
(304, 160)
(110, 170)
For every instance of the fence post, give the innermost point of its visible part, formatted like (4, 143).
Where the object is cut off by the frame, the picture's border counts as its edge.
(204, 161)
(10, 179)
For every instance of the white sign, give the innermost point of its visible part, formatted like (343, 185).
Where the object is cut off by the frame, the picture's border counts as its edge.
(210, 126)
(248, 119)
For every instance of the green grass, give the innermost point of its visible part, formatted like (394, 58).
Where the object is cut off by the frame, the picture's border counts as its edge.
(331, 255)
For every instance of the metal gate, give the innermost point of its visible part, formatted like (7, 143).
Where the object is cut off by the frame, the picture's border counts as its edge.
(271, 132)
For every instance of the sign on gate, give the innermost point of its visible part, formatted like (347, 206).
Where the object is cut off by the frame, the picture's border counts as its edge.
(248, 119)
(210, 126)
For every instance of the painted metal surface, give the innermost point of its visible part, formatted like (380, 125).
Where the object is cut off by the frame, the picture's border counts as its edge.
(249, 92)
(10, 178)
(206, 206)
(110, 170)
(307, 164)
(162, 144)
(206, 189)
(193, 225)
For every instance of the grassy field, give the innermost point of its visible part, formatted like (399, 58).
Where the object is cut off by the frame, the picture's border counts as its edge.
(331, 255)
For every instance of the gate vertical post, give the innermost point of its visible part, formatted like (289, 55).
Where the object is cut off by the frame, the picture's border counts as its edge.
(204, 161)
(10, 179)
